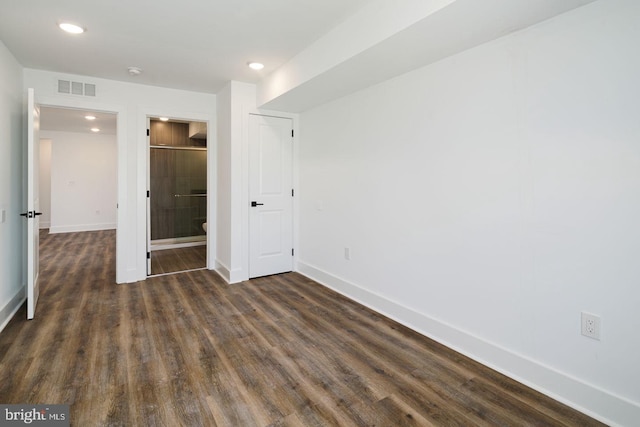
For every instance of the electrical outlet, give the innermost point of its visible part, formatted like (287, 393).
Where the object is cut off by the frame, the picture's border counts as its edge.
(347, 254)
(590, 325)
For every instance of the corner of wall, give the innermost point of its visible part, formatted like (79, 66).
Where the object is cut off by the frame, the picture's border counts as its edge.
(223, 271)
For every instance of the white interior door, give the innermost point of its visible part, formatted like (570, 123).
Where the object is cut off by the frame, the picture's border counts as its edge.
(33, 203)
(271, 195)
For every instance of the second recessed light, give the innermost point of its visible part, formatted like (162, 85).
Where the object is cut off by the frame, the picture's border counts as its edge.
(71, 28)
(255, 66)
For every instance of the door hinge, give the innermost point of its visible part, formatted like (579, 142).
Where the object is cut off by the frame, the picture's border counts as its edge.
(148, 193)
(292, 192)
(148, 255)
(291, 251)
(148, 133)
(291, 133)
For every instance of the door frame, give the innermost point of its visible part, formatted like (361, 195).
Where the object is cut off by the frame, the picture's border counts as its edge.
(148, 197)
(244, 211)
(121, 148)
(283, 202)
(144, 152)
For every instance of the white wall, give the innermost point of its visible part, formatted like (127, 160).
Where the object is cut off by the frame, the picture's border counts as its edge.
(490, 198)
(235, 102)
(44, 187)
(223, 167)
(12, 229)
(83, 181)
(133, 103)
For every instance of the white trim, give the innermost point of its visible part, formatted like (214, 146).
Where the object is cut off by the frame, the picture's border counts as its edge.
(12, 307)
(243, 274)
(82, 227)
(223, 271)
(230, 276)
(179, 148)
(131, 277)
(143, 148)
(587, 398)
(158, 246)
(122, 273)
(177, 272)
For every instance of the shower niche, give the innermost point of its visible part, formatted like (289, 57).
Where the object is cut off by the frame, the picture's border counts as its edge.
(177, 202)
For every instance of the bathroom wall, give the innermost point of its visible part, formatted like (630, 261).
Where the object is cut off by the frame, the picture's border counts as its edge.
(178, 181)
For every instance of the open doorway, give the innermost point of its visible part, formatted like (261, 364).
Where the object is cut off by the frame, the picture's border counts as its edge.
(177, 196)
(78, 170)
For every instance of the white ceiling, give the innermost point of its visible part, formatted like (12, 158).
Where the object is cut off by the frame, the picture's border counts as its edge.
(194, 45)
(430, 31)
(201, 45)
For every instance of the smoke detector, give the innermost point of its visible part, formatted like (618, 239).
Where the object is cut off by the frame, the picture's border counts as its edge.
(134, 71)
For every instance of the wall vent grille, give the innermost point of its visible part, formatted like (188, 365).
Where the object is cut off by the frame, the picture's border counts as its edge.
(76, 88)
(89, 89)
(64, 86)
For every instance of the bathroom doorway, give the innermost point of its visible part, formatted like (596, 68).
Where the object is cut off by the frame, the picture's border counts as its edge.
(177, 196)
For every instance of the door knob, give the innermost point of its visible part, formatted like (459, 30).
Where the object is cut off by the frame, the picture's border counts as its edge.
(254, 204)
(31, 214)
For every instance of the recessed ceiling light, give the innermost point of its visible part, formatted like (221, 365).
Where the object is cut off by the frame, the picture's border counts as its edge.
(164, 119)
(255, 65)
(90, 117)
(134, 71)
(95, 130)
(71, 28)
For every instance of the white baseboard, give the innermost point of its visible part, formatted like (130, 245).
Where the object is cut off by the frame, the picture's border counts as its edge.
(223, 271)
(230, 276)
(237, 276)
(44, 225)
(81, 227)
(133, 275)
(10, 308)
(586, 398)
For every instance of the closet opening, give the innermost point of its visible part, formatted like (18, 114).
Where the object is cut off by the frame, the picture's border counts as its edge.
(177, 196)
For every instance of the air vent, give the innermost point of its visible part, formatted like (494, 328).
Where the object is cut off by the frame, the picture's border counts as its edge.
(64, 86)
(89, 89)
(76, 88)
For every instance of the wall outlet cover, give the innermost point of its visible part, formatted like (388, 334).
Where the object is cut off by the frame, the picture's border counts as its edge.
(590, 325)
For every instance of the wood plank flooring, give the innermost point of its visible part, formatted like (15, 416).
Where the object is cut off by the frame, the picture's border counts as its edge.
(188, 349)
(181, 259)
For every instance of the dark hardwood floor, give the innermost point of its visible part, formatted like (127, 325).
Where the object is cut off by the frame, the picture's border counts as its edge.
(181, 259)
(188, 349)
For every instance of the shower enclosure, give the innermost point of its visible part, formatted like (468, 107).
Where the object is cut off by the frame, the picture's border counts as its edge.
(177, 203)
